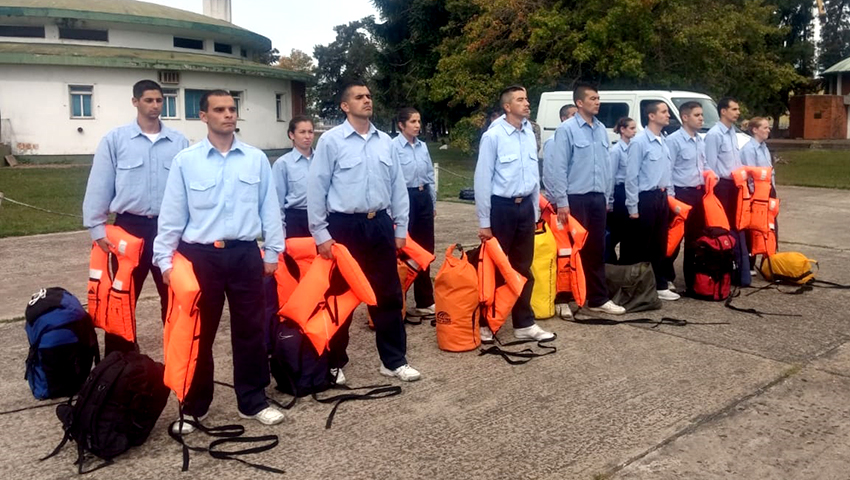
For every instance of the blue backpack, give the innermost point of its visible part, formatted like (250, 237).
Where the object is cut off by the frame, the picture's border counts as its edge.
(62, 341)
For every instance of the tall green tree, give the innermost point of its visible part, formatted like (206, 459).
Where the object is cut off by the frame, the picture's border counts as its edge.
(835, 33)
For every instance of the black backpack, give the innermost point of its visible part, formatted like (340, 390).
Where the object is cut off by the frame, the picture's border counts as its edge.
(632, 286)
(117, 408)
(296, 367)
(714, 263)
(62, 342)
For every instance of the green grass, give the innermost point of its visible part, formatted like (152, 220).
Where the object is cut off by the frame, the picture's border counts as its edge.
(57, 189)
(457, 163)
(814, 168)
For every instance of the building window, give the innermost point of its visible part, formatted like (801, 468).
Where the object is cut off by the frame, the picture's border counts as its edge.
(244, 53)
(81, 101)
(83, 34)
(223, 48)
(278, 106)
(22, 31)
(193, 103)
(181, 42)
(237, 99)
(169, 103)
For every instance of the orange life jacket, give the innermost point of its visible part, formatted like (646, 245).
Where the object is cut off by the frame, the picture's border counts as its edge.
(752, 208)
(293, 265)
(765, 244)
(570, 241)
(740, 177)
(456, 304)
(321, 310)
(416, 259)
(715, 216)
(112, 299)
(497, 302)
(680, 211)
(182, 327)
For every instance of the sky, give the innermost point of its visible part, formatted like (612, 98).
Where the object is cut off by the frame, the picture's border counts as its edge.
(289, 24)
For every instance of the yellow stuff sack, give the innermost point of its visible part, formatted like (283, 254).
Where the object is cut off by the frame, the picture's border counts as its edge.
(544, 270)
(792, 268)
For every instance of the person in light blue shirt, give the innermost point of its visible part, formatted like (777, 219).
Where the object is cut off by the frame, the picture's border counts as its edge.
(418, 169)
(687, 151)
(218, 200)
(755, 154)
(507, 192)
(579, 180)
(127, 178)
(566, 112)
(618, 217)
(648, 183)
(356, 195)
(290, 177)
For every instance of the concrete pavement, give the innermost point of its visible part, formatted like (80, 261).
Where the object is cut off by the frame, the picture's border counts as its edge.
(758, 398)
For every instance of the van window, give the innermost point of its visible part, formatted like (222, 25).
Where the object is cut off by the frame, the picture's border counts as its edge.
(609, 113)
(674, 125)
(709, 111)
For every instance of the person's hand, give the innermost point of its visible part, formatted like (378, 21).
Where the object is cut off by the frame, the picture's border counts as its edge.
(269, 268)
(435, 213)
(166, 277)
(104, 244)
(485, 234)
(610, 208)
(634, 216)
(325, 249)
(400, 243)
(564, 215)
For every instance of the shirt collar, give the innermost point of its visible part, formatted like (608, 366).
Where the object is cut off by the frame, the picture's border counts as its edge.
(724, 129)
(582, 122)
(509, 129)
(623, 145)
(402, 140)
(348, 130)
(137, 130)
(209, 147)
(296, 155)
(651, 136)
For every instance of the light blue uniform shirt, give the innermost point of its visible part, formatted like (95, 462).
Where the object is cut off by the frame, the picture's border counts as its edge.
(290, 178)
(721, 150)
(210, 196)
(649, 168)
(688, 156)
(507, 167)
(755, 154)
(619, 157)
(580, 161)
(352, 174)
(128, 174)
(416, 164)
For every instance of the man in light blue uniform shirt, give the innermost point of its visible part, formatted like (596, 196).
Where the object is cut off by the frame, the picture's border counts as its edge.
(648, 183)
(579, 179)
(687, 151)
(356, 196)
(127, 178)
(219, 199)
(566, 112)
(507, 192)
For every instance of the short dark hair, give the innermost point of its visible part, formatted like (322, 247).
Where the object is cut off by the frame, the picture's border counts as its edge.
(565, 110)
(688, 107)
(622, 123)
(293, 124)
(143, 86)
(723, 104)
(346, 89)
(504, 95)
(405, 114)
(205, 98)
(652, 106)
(581, 89)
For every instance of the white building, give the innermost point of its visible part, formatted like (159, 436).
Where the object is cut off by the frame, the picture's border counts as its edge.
(67, 68)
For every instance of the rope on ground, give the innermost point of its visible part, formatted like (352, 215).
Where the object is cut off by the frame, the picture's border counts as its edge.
(7, 199)
(455, 174)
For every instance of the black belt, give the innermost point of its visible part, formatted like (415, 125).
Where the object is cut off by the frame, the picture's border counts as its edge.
(369, 215)
(698, 187)
(134, 217)
(516, 200)
(420, 188)
(295, 211)
(221, 244)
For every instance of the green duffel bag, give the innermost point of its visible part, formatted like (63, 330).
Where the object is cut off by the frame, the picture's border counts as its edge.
(632, 286)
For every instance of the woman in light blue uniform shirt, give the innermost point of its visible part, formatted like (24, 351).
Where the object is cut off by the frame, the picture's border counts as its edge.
(290, 177)
(756, 154)
(418, 170)
(618, 215)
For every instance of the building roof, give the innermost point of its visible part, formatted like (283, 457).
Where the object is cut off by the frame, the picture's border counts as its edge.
(134, 12)
(12, 53)
(842, 66)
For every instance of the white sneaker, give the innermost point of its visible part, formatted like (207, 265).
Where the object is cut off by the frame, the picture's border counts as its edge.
(609, 307)
(668, 295)
(338, 376)
(533, 332)
(486, 334)
(405, 373)
(671, 286)
(563, 310)
(421, 312)
(185, 428)
(267, 416)
(753, 273)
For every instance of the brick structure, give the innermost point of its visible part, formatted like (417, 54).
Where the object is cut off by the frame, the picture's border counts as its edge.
(818, 117)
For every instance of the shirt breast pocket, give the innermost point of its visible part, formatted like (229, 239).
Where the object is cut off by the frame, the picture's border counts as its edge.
(725, 147)
(350, 170)
(129, 172)
(654, 156)
(202, 194)
(249, 186)
(582, 151)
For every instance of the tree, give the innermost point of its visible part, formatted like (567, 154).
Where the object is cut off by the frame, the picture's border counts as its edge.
(351, 56)
(297, 61)
(270, 57)
(835, 33)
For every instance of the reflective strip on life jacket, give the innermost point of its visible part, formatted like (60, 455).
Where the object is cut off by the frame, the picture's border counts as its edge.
(497, 302)
(182, 327)
(679, 213)
(112, 299)
(715, 216)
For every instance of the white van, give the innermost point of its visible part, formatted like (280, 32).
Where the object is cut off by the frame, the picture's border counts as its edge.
(628, 103)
